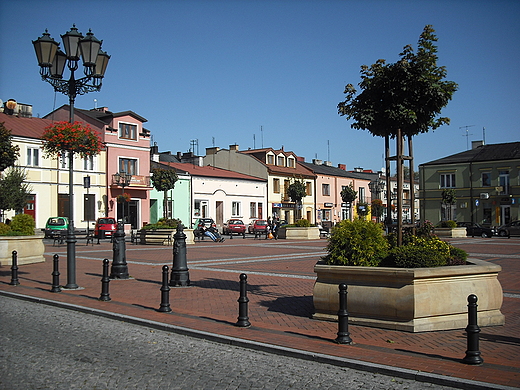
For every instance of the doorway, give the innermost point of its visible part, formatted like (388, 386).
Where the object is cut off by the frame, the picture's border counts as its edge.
(505, 214)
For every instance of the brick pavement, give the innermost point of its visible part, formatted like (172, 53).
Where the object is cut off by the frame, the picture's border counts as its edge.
(280, 282)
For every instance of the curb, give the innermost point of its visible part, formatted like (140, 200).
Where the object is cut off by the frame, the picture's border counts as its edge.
(403, 373)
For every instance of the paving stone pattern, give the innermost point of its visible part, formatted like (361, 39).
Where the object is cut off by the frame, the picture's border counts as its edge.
(44, 347)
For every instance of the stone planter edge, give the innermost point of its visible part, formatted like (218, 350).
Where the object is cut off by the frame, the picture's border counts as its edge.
(30, 249)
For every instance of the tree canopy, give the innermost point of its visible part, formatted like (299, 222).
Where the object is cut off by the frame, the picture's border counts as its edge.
(164, 179)
(407, 95)
(8, 152)
(14, 192)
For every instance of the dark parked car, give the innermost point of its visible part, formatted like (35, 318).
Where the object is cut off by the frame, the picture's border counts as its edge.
(474, 229)
(234, 226)
(509, 229)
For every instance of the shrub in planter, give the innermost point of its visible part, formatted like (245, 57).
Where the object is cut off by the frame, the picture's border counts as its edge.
(447, 224)
(22, 225)
(163, 223)
(303, 223)
(4, 229)
(457, 256)
(359, 243)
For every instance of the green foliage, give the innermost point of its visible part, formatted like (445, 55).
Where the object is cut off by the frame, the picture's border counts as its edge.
(357, 242)
(296, 191)
(425, 229)
(377, 208)
(163, 223)
(8, 152)
(448, 196)
(4, 229)
(23, 224)
(164, 179)
(303, 223)
(457, 256)
(348, 194)
(447, 224)
(407, 95)
(14, 191)
(362, 209)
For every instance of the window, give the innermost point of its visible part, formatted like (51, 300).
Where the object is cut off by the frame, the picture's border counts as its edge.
(325, 189)
(448, 180)
(33, 157)
(128, 165)
(281, 161)
(64, 160)
(361, 194)
(270, 159)
(503, 181)
(286, 184)
(127, 131)
(308, 188)
(290, 162)
(235, 209)
(88, 163)
(276, 186)
(486, 179)
(252, 210)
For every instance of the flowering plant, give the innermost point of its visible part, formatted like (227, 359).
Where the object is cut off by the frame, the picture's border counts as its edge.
(123, 198)
(73, 137)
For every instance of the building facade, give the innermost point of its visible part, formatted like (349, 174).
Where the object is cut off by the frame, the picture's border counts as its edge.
(486, 182)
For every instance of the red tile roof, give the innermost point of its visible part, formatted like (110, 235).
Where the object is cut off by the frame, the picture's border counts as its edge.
(24, 127)
(209, 171)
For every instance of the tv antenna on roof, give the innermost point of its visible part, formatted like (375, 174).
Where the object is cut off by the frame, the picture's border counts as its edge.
(467, 134)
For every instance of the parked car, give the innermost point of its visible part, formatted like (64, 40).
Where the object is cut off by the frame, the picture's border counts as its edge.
(234, 226)
(251, 226)
(107, 227)
(474, 229)
(260, 227)
(56, 226)
(509, 229)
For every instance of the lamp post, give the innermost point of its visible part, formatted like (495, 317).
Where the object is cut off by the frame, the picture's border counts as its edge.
(52, 63)
(376, 187)
(123, 180)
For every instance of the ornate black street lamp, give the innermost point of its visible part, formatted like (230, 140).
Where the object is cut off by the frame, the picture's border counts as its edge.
(52, 63)
(376, 187)
(123, 180)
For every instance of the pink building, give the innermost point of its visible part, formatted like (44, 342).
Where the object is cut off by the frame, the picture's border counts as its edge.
(127, 145)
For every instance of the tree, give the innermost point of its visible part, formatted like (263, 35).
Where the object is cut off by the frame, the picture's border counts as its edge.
(164, 180)
(348, 194)
(8, 152)
(14, 192)
(296, 192)
(377, 208)
(448, 199)
(401, 99)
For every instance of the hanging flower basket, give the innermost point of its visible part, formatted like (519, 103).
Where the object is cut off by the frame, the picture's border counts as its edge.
(74, 137)
(123, 198)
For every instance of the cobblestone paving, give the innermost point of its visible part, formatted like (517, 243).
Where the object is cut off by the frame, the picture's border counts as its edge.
(44, 347)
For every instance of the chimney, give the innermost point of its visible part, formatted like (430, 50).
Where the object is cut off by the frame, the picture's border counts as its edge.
(154, 151)
(342, 166)
(233, 148)
(358, 169)
(315, 161)
(327, 163)
(213, 150)
(476, 144)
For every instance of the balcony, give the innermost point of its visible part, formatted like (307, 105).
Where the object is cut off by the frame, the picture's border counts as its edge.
(136, 181)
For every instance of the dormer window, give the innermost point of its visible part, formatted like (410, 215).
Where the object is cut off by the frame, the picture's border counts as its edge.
(128, 131)
(270, 159)
(290, 162)
(281, 161)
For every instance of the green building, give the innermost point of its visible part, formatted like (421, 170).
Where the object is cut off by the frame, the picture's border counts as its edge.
(486, 182)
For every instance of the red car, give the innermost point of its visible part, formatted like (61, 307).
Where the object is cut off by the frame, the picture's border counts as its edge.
(234, 226)
(107, 225)
(260, 227)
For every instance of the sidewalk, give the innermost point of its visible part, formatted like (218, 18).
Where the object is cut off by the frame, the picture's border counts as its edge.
(280, 281)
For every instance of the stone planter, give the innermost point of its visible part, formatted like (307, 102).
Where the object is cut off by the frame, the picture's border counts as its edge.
(162, 236)
(30, 249)
(410, 299)
(299, 233)
(450, 232)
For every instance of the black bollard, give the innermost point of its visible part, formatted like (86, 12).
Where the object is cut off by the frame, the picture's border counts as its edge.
(165, 292)
(243, 301)
(105, 280)
(119, 268)
(343, 333)
(55, 274)
(472, 332)
(14, 269)
(180, 275)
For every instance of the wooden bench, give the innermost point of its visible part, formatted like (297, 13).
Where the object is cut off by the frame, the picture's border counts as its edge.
(149, 236)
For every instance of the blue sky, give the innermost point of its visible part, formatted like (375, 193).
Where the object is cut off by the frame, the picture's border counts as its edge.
(271, 73)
